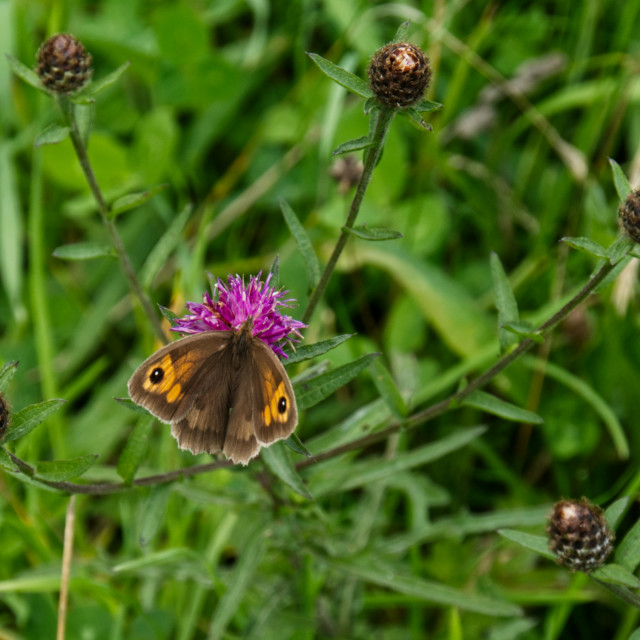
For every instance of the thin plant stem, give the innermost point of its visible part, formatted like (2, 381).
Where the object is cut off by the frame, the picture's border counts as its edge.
(67, 555)
(372, 155)
(68, 109)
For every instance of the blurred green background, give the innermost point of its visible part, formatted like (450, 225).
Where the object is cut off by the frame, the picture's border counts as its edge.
(222, 104)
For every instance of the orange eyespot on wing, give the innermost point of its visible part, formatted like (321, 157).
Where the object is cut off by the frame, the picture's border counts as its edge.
(277, 407)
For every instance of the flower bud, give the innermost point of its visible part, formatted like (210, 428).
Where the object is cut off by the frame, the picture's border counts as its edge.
(399, 74)
(579, 535)
(64, 65)
(629, 215)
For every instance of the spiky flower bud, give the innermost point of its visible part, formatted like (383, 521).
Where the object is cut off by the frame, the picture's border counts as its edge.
(579, 535)
(399, 73)
(4, 416)
(629, 215)
(64, 65)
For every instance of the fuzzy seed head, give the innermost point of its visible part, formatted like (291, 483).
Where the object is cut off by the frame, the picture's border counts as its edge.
(64, 66)
(399, 74)
(579, 535)
(629, 215)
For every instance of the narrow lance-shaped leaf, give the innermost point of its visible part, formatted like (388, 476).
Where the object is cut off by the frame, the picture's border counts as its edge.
(28, 75)
(387, 388)
(615, 574)
(135, 449)
(357, 144)
(30, 417)
(537, 544)
(343, 77)
(84, 251)
(587, 245)
(295, 444)
(51, 135)
(134, 200)
(505, 301)
(310, 393)
(277, 458)
(402, 33)
(95, 87)
(373, 234)
(619, 248)
(310, 351)
(62, 470)
(153, 513)
(497, 407)
(6, 374)
(303, 242)
(620, 180)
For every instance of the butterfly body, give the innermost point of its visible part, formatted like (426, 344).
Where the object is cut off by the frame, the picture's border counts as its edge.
(220, 391)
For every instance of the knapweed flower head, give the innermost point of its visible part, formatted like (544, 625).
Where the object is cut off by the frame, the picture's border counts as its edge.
(579, 535)
(235, 303)
(64, 65)
(629, 215)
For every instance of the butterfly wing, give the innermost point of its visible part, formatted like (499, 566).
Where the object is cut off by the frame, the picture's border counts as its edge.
(264, 407)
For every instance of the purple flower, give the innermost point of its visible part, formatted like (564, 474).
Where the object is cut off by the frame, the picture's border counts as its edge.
(233, 304)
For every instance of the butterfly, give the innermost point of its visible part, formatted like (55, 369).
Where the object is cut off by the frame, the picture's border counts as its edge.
(220, 391)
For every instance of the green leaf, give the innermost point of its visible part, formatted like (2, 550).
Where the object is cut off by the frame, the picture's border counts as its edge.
(135, 449)
(168, 314)
(619, 248)
(486, 402)
(29, 418)
(416, 117)
(295, 444)
(523, 330)
(387, 388)
(160, 253)
(402, 34)
(28, 75)
(6, 462)
(369, 105)
(6, 375)
(375, 234)
(628, 550)
(153, 513)
(390, 576)
(635, 635)
(586, 245)
(614, 512)
(362, 474)
(620, 180)
(239, 582)
(84, 251)
(343, 77)
(505, 301)
(537, 544)
(357, 144)
(134, 200)
(303, 242)
(309, 351)
(63, 470)
(427, 105)
(95, 87)
(51, 135)
(313, 391)
(615, 574)
(127, 403)
(278, 460)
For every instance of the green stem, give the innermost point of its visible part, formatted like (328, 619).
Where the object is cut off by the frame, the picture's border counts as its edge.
(68, 109)
(372, 155)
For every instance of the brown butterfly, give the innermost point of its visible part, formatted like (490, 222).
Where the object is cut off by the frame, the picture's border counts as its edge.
(221, 391)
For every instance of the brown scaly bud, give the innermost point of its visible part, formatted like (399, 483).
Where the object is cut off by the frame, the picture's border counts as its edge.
(4, 416)
(399, 74)
(629, 215)
(579, 535)
(64, 65)
(347, 171)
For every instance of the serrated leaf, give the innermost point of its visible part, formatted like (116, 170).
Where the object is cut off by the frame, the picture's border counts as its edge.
(95, 87)
(310, 393)
(523, 330)
(375, 234)
(278, 460)
(160, 253)
(497, 407)
(620, 180)
(84, 251)
(304, 244)
(24, 72)
(537, 544)
(53, 134)
(62, 470)
(615, 574)
(30, 417)
(402, 34)
(153, 513)
(586, 245)
(505, 301)
(343, 77)
(619, 248)
(309, 351)
(133, 200)
(6, 374)
(388, 390)
(357, 144)
(135, 449)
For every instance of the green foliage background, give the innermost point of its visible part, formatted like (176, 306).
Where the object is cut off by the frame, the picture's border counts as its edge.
(222, 104)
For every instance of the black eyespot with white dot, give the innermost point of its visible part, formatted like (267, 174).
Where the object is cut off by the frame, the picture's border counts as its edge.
(156, 375)
(282, 405)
